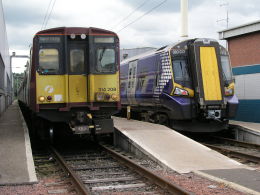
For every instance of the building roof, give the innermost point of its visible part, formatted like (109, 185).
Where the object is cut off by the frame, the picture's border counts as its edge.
(240, 30)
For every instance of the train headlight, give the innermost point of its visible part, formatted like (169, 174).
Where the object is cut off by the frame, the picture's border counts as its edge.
(114, 97)
(100, 96)
(41, 98)
(83, 36)
(229, 91)
(179, 91)
(72, 36)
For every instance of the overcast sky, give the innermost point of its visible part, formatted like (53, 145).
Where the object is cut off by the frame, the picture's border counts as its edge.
(157, 28)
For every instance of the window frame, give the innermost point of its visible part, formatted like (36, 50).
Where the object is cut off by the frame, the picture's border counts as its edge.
(58, 68)
(57, 46)
(230, 69)
(106, 46)
(178, 58)
(77, 45)
(93, 53)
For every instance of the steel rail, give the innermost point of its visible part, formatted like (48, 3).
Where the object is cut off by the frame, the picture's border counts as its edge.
(160, 181)
(80, 186)
(239, 143)
(234, 153)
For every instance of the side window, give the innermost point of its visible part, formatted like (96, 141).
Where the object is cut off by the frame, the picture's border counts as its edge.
(49, 60)
(227, 73)
(77, 60)
(130, 78)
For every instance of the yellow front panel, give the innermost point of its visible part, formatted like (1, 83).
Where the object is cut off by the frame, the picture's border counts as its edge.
(77, 88)
(103, 83)
(210, 74)
(52, 85)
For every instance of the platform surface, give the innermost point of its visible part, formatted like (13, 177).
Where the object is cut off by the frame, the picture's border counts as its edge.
(248, 125)
(16, 162)
(176, 151)
(244, 177)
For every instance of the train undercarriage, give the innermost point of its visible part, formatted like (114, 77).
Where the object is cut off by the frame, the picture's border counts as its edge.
(163, 117)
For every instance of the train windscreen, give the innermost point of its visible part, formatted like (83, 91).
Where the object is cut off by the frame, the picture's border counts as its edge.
(180, 70)
(106, 59)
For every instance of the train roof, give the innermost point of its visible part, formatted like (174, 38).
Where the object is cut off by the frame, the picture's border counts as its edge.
(149, 53)
(76, 30)
(163, 49)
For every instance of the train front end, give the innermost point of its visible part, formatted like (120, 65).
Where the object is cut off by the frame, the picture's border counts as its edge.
(75, 78)
(203, 84)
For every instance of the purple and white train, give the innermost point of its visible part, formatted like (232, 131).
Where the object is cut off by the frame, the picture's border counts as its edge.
(188, 86)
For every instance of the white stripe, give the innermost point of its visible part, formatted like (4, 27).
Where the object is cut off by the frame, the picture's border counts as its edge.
(28, 150)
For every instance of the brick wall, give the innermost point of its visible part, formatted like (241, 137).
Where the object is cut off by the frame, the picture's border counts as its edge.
(245, 49)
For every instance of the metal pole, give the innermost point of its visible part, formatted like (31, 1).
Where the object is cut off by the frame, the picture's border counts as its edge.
(184, 18)
(128, 112)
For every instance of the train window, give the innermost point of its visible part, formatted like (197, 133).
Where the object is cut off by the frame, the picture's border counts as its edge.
(49, 60)
(106, 59)
(226, 68)
(180, 70)
(76, 60)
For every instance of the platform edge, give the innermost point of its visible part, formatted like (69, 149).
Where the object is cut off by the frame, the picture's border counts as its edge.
(227, 183)
(30, 162)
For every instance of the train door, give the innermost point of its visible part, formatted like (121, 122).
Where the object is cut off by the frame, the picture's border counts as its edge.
(77, 75)
(208, 78)
(131, 85)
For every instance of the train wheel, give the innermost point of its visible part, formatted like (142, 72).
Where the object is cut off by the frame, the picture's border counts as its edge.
(161, 119)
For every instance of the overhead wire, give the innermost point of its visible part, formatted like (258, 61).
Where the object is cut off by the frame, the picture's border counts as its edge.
(131, 13)
(50, 13)
(46, 14)
(155, 7)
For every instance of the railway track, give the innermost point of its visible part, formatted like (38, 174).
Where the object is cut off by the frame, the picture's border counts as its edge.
(51, 174)
(233, 148)
(103, 170)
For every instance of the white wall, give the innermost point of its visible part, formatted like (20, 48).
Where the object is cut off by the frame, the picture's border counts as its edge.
(248, 86)
(4, 49)
(4, 54)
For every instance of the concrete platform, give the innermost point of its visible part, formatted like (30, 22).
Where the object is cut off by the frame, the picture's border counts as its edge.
(16, 162)
(251, 126)
(174, 150)
(246, 180)
(247, 131)
(179, 153)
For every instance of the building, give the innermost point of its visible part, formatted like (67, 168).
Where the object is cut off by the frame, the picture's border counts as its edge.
(128, 53)
(244, 49)
(5, 67)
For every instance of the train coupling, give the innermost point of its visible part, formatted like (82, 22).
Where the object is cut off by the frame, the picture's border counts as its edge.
(213, 114)
(81, 129)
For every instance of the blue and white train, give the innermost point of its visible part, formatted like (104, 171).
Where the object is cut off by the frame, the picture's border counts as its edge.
(188, 86)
